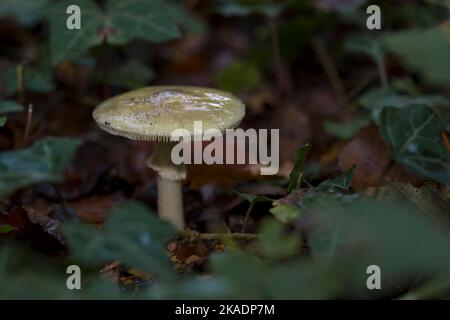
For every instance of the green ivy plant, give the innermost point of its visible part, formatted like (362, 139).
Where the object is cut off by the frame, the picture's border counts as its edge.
(118, 23)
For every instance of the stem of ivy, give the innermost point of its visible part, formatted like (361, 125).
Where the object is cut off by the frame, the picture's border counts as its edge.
(247, 215)
(21, 88)
(21, 83)
(105, 68)
(194, 235)
(381, 65)
(331, 70)
(27, 125)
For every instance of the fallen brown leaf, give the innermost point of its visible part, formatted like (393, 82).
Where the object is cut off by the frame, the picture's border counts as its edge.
(371, 156)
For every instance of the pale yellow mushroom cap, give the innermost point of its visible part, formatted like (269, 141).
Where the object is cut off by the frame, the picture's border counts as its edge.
(153, 113)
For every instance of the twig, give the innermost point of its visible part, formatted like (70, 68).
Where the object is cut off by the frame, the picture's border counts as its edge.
(284, 79)
(105, 67)
(383, 73)
(364, 83)
(28, 124)
(194, 235)
(330, 69)
(247, 215)
(21, 83)
(357, 89)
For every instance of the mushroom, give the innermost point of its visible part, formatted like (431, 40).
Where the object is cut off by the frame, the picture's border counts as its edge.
(153, 114)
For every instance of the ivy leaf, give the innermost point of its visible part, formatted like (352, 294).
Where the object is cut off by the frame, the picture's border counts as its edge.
(366, 231)
(253, 198)
(10, 106)
(274, 243)
(66, 43)
(431, 199)
(19, 267)
(296, 175)
(121, 22)
(377, 99)
(243, 272)
(45, 160)
(186, 19)
(285, 212)
(25, 11)
(146, 19)
(37, 79)
(336, 190)
(132, 234)
(310, 279)
(244, 8)
(6, 228)
(345, 130)
(342, 7)
(414, 137)
(341, 182)
(367, 45)
(425, 52)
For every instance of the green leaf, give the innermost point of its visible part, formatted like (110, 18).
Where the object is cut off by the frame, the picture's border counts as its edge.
(27, 12)
(430, 199)
(243, 272)
(367, 232)
(146, 19)
(253, 198)
(341, 182)
(6, 228)
(199, 288)
(243, 8)
(377, 99)
(343, 7)
(9, 106)
(66, 43)
(405, 85)
(367, 45)
(425, 52)
(285, 212)
(274, 242)
(132, 234)
(19, 267)
(239, 76)
(296, 175)
(122, 22)
(132, 74)
(311, 279)
(45, 160)
(2, 121)
(37, 79)
(414, 137)
(186, 19)
(345, 130)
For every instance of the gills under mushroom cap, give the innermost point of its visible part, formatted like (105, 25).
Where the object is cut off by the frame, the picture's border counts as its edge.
(153, 113)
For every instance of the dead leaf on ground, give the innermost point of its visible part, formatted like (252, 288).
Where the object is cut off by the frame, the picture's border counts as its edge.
(371, 156)
(95, 209)
(225, 176)
(29, 232)
(433, 200)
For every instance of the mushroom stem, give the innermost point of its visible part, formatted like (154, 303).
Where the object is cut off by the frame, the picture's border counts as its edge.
(170, 175)
(170, 202)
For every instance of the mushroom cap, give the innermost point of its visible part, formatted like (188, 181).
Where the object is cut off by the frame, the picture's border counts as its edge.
(153, 113)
